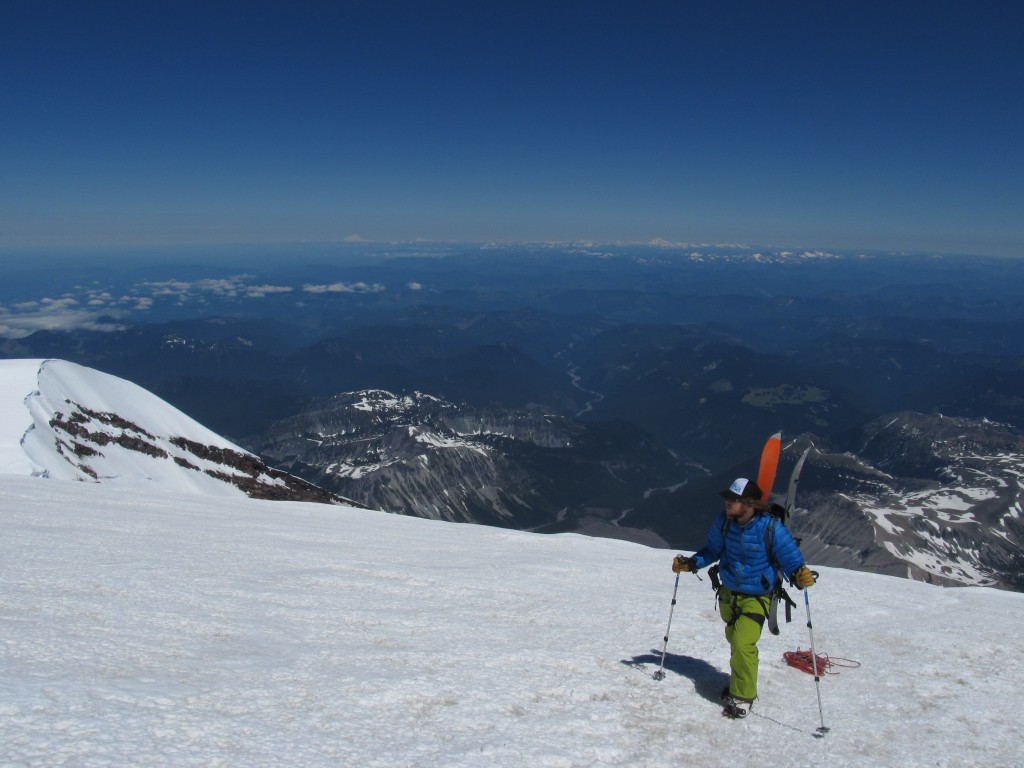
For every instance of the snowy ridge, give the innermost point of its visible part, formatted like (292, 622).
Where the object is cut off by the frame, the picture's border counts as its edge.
(401, 417)
(169, 629)
(67, 422)
(412, 453)
(433, 458)
(930, 497)
(382, 401)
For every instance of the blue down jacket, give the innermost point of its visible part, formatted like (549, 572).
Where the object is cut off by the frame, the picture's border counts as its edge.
(745, 565)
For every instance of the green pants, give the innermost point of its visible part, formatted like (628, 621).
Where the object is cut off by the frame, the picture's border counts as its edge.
(744, 617)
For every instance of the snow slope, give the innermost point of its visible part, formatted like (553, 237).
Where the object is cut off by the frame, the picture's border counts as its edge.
(175, 630)
(18, 380)
(32, 391)
(64, 421)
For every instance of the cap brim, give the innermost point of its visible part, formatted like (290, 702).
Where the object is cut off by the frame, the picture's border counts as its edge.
(730, 495)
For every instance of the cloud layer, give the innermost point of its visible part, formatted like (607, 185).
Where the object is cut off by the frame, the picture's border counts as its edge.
(106, 309)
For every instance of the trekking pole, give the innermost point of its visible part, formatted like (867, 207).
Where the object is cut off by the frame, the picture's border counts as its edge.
(660, 674)
(814, 661)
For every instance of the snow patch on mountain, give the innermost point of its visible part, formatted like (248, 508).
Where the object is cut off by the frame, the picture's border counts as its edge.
(939, 498)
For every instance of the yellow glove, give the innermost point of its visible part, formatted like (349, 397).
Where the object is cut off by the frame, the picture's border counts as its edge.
(803, 577)
(684, 564)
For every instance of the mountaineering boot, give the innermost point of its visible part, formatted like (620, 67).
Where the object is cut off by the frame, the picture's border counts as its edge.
(735, 708)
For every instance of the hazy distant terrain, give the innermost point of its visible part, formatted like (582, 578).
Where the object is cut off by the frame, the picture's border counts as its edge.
(672, 361)
(711, 335)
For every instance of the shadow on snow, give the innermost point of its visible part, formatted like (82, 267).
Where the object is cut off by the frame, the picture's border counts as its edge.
(708, 681)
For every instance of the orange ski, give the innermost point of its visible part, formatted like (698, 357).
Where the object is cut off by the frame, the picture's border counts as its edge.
(769, 465)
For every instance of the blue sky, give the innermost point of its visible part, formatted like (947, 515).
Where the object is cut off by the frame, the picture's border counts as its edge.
(829, 124)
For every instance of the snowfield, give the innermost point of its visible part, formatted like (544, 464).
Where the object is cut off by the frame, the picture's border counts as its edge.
(161, 628)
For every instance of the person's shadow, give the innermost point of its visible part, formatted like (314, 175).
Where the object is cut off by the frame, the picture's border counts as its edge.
(707, 680)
